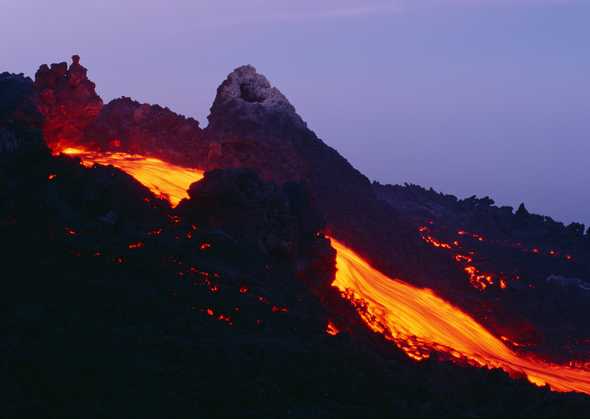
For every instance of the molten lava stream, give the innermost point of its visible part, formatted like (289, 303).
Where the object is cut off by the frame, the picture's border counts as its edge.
(163, 179)
(415, 319)
(418, 321)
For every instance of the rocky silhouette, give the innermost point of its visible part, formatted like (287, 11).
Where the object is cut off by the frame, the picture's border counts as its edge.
(67, 100)
(253, 125)
(121, 305)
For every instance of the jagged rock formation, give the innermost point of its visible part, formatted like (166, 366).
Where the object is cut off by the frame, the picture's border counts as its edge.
(252, 125)
(258, 128)
(68, 101)
(254, 105)
(127, 125)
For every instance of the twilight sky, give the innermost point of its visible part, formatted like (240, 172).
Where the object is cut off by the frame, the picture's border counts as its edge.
(486, 97)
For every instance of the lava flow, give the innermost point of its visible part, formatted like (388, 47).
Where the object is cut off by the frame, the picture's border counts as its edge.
(418, 321)
(164, 179)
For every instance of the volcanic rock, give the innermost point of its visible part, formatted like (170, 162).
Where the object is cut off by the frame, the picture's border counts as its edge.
(256, 127)
(117, 300)
(68, 101)
(251, 103)
(274, 220)
(252, 125)
(127, 125)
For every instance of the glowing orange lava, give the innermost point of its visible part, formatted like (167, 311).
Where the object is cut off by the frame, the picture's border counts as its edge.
(418, 321)
(163, 179)
(477, 278)
(331, 329)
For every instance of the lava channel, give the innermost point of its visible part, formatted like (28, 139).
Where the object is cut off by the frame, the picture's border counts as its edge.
(418, 321)
(166, 180)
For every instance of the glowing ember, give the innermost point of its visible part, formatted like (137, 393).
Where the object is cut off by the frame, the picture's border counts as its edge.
(163, 179)
(478, 279)
(331, 329)
(432, 241)
(277, 309)
(418, 321)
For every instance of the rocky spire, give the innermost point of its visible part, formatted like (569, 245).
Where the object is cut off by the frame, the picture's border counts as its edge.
(247, 102)
(67, 99)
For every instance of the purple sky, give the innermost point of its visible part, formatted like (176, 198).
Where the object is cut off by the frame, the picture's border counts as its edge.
(486, 97)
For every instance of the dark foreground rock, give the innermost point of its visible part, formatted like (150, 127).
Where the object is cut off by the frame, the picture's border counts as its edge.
(117, 305)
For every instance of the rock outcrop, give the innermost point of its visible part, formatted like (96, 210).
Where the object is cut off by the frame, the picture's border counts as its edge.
(275, 220)
(256, 127)
(246, 101)
(252, 124)
(133, 127)
(67, 100)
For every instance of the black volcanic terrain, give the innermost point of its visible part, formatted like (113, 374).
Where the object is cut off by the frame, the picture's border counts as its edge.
(119, 304)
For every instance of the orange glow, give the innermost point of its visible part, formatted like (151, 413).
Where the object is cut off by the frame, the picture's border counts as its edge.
(431, 240)
(416, 320)
(331, 329)
(136, 245)
(163, 179)
(51, 176)
(478, 279)
(419, 322)
(463, 259)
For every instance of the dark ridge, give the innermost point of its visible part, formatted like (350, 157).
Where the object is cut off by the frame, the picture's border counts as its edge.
(120, 305)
